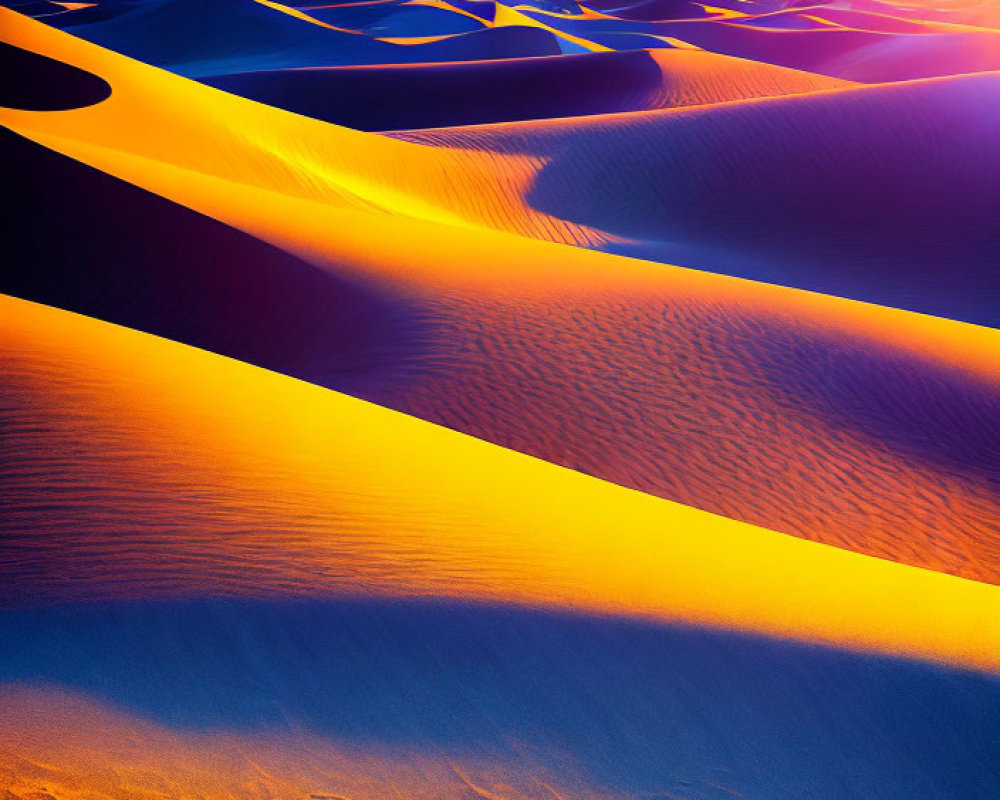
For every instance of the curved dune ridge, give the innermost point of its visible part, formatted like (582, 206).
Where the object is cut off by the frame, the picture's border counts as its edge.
(693, 387)
(450, 399)
(823, 227)
(909, 226)
(308, 492)
(440, 95)
(299, 699)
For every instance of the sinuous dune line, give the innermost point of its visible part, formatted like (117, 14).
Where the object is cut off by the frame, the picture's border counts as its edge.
(198, 37)
(353, 466)
(869, 42)
(815, 44)
(444, 95)
(687, 186)
(657, 378)
(773, 190)
(205, 130)
(224, 479)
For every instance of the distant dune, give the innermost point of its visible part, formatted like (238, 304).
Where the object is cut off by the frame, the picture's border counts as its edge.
(903, 212)
(198, 37)
(439, 95)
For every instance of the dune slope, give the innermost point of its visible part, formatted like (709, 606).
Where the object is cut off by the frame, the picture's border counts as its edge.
(307, 492)
(693, 387)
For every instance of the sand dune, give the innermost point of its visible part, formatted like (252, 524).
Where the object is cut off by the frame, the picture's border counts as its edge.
(304, 492)
(692, 387)
(774, 191)
(159, 267)
(981, 13)
(821, 227)
(367, 699)
(439, 95)
(809, 42)
(199, 37)
(870, 43)
(702, 526)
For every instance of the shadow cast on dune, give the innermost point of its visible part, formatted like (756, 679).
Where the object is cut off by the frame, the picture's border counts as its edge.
(141, 261)
(146, 481)
(901, 213)
(741, 439)
(436, 95)
(32, 82)
(640, 708)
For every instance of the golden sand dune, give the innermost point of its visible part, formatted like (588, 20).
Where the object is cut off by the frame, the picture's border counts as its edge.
(225, 479)
(690, 386)
(216, 134)
(351, 466)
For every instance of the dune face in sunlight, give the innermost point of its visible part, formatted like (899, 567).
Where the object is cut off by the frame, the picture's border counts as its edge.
(450, 399)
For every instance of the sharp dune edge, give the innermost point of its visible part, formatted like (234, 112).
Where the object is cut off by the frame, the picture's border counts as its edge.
(323, 494)
(445, 399)
(427, 95)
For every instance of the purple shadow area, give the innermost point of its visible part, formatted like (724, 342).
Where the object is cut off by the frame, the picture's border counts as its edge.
(887, 195)
(642, 709)
(215, 37)
(437, 95)
(78, 239)
(32, 82)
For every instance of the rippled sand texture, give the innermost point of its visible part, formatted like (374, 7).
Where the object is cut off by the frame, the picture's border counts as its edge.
(449, 399)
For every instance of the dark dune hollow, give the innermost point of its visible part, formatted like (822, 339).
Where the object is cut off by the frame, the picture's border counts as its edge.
(438, 95)
(141, 261)
(32, 82)
(641, 708)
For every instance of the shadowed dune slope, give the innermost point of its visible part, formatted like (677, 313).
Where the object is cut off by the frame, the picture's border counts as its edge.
(439, 95)
(690, 386)
(904, 211)
(35, 83)
(690, 186)
(139, 260)
(306, 492)
(868, 42)
(827, 49)
(367, 699)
